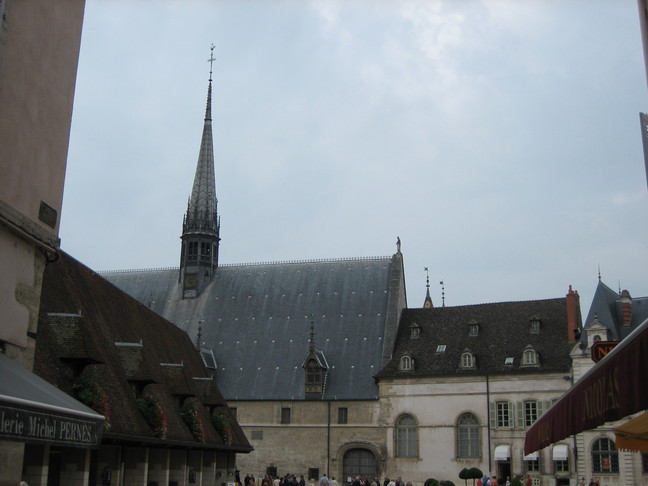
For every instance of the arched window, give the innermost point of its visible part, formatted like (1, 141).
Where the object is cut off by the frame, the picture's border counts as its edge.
(529, 357)
(406, 436)
(605, 458)
(468, 436)
(467, 360)
(406, 363)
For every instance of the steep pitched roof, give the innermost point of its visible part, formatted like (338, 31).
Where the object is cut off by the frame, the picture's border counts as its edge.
(257, 318)
(94, 338)
(503, 330)
(607, 306)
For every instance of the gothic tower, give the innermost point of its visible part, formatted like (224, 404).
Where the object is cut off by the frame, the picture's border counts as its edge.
(201, 224)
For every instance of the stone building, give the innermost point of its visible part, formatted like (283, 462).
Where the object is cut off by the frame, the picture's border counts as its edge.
(39, 51)
(165, 420)
(293, 345)
(466, 382)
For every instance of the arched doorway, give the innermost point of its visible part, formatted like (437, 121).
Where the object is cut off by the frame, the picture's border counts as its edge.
(358, 462)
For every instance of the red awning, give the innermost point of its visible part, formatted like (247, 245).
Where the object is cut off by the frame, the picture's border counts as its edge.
(613, 389)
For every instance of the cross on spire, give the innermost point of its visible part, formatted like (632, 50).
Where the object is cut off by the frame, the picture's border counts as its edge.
(211, 61)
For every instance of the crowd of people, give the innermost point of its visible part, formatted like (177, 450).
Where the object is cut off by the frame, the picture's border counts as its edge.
(294, 480)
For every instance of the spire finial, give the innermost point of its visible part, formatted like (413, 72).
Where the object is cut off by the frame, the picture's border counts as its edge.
(211, 61)
(599, 272)
(442, 293)
(427, 303)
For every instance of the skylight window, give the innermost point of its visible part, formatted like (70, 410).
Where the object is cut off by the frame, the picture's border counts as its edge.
(441, 348)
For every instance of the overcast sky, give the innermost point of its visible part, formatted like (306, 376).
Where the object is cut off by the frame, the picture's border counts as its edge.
(499, 140)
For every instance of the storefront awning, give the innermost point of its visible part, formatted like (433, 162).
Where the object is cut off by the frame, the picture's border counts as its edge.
(613, 389)
(502, 453)
(560, 452)
(34, 411)
(531, 457)
(633, 435)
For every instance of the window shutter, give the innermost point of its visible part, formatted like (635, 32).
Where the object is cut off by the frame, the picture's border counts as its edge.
(520, 414)
(511, 417)
(541, 407)
(493, 414)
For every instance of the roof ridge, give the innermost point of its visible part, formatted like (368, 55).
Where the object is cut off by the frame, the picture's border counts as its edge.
(252, 264)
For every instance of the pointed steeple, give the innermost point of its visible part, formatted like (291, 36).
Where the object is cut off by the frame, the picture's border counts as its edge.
(427, 304)
(201, 224)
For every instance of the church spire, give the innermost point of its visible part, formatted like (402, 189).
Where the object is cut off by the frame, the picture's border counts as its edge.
(201, 224)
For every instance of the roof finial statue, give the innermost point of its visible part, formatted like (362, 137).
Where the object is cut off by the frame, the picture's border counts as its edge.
(398, 244)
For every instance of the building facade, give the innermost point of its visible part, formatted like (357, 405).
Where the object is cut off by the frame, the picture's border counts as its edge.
(465, 383)
(39, 50)
(611, 318)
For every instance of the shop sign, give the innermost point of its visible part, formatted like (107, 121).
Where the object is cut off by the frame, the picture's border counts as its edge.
(26, 424)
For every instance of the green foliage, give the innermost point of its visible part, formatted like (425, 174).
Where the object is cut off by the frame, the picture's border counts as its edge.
(517, 481)
(464, 474)
(431, 482)
(475, 473)
(153, 414)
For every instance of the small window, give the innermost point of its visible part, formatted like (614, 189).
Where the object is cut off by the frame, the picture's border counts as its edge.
(509, 361)
(441, 348)
(530, 412)
(503, 414)
(562, 466)
(415, 331)
(529, 357)
(285, 415)
(532, 466)
(343, 415)
(406, 363)
(534, 323)
(473, 330)
(467, 360)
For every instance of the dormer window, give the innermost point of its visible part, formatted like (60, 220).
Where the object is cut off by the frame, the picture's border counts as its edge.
(529, 357)
(473, 327)
(415, 331)
(467, 360)
(314, 376)
(406, 363)
(534, 325)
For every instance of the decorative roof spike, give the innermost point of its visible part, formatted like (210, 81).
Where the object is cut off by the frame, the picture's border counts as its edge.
(427, 304)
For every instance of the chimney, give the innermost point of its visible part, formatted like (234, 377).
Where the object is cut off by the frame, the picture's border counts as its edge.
(573, 306)
(626, 308)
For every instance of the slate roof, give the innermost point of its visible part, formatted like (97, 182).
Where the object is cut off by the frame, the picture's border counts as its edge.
(257, 320)
(608, 309)
(504, 331)
(91, 331)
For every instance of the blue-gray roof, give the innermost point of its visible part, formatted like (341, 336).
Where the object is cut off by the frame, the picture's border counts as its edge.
(607, 308)
(257, 320)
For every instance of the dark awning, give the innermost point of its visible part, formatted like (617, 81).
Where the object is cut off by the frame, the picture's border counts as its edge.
(613, 389)
(34, 411)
